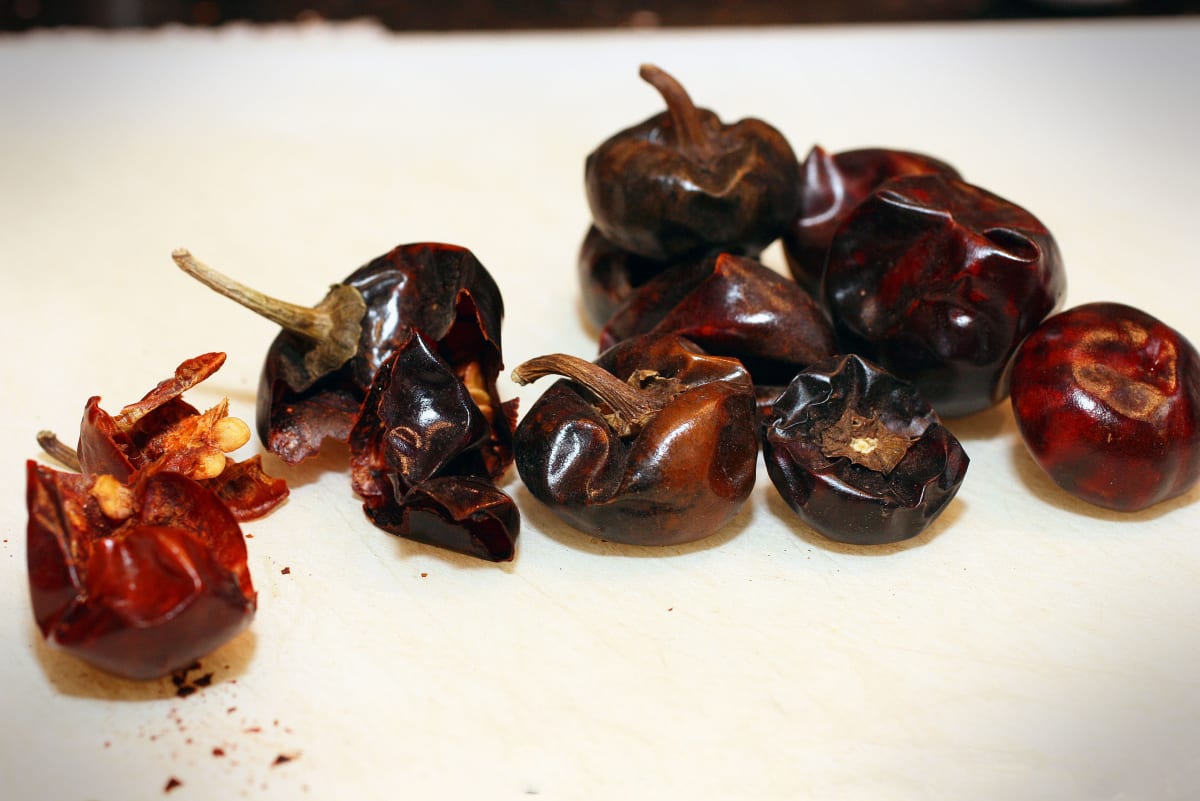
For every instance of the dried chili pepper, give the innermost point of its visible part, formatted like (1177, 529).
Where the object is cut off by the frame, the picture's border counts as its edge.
(682, 182)
(138, 579)
(418, 457)
(320, 367)
(731, 306)
(163, 433)
(938, 281)
(654, 443)
(830, 187)
(860, 455)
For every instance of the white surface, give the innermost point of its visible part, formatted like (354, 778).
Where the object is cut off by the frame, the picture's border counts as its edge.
(1027, 647)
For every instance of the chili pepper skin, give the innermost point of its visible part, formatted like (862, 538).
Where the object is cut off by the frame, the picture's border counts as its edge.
(830, 187)
(1107, 400)
(440, 289)
(418, 457)
(162, 432)
(141, 593)
(731, 306)
(682, 182)
(859, 455)
(938, 281)
(675, 470)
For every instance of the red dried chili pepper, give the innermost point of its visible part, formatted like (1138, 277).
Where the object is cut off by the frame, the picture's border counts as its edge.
(138, 579)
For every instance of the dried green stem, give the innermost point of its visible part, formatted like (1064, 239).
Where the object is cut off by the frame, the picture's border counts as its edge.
(685, 117)
(631, 407)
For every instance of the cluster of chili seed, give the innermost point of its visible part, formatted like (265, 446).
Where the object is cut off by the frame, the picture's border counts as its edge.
(912, 292)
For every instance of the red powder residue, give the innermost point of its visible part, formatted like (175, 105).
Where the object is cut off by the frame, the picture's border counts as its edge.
(172, 783)
(218, 752)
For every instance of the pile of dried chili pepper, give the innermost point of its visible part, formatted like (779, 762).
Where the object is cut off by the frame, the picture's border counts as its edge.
(136, 562)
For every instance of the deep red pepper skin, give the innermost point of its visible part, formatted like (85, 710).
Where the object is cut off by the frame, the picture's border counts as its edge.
(440, 289)
(418, 457)
(850, 502)
(938, 281)
(1107, 400)
(680, 478)
(143, 596)
(830, 187)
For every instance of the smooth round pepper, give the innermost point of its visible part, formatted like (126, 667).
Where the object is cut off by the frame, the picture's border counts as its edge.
(652, 444)
(859, 455)
(683, 182)
(938, 281)
(1107, 400)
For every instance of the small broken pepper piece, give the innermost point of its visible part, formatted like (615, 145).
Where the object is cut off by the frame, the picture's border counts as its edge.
(316, 375)
(731, 306)
(163, 433)
(418, 457)
(860, 455)
(683, 182)
(654, 443)
(137, 579)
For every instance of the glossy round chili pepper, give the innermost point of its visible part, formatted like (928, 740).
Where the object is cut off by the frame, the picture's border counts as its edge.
(938, 281)
(859, 455)
(320, 367)
(418, 457)
(652, 444)
(162, 432)
(1107, 400)
(683, 182)
(830, 187)
(731, 306)
(137, 579)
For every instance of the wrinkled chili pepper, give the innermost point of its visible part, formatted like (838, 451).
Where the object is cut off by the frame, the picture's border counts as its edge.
(318, 370)
(162, 432)
(860, 455)
(830, 187)
(654, 443)
(938, 281)
(731, 306)
(682, 182)
(138, 579)
(418, 457)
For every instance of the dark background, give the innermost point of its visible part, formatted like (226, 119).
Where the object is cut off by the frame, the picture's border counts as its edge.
(433, 15)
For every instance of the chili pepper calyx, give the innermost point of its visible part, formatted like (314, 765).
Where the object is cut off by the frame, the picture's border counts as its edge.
(629, 408)
(334, 325)
(865, 441)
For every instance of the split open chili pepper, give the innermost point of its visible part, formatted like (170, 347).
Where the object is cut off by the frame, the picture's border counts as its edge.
(830, 187)
(731, 306)
(164, 433)
(683, 182)
(138, 579)
(319, 369)
(860, 455)
(418, 457)
(654, 443)
(938, 281)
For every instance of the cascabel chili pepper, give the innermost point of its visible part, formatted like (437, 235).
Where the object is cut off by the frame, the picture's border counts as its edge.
(138, 579)
(654, 443)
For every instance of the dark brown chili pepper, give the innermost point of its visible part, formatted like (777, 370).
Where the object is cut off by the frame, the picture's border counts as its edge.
(138, 579)
(830, 188)
(859, 455)
(731, 306)
(418, 457)
(938, 281)
(682, 182)
(162, 432)
(652, 444)
(319, 369)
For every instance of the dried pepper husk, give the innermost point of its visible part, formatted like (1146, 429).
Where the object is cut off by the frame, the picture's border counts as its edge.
(138, 579)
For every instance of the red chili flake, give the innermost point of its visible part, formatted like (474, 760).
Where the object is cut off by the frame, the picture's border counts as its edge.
(218, 752)
(286, 571)
(253, 730)
(424, 575)
(281, 759)
(231, 710)
(172, 783)
(185, 691)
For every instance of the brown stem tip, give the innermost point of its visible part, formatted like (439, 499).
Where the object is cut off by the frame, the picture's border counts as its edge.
(690, 135)
(630, 407)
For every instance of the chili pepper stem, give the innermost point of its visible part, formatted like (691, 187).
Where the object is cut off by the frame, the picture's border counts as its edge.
(685, 118)
(59, 450)
(334, 325)
(631, 408)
